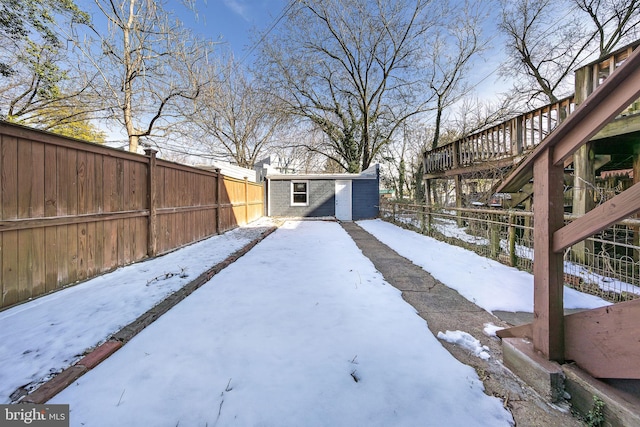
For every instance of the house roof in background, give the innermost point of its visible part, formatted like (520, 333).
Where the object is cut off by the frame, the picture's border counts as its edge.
(370, 173)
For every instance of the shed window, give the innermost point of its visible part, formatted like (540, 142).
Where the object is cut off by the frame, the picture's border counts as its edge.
(299, 193)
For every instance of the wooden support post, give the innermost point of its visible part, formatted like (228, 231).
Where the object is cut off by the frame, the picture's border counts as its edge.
(458, 190)
(152, 234)
(583, 194)
(513, 259)
(427, 191)
(548, 321)
(494, 235)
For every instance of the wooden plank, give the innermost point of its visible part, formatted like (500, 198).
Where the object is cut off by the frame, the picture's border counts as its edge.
(81, 179)
(89, 199)
(9, 209)
(119, 243)
(606, 341)
(127, 236)
(611, 97)
(38, 269)
(37, 205)
(92, 244)
(10, 290)
(152, 204)
(51, 258)
(110, 244)
(599, 218)
(71, 219)
(98, 193)
(82, 251)
(109, 233)
(25, 183)
(548, 331)
(50, 181)
(63, 256)
(31, 242)
(522, 331)
(72, 250)
(141, 238)
(62, 189)
(25, 264)
(596, 116)
(99, 251)
(82, 196)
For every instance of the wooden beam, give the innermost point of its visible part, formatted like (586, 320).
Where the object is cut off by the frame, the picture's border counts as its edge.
(548, 315)
(522, 331)
(619, 90)
(605, 341)
(610, 212)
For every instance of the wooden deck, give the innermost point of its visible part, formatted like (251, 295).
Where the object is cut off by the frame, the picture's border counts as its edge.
(505, 145)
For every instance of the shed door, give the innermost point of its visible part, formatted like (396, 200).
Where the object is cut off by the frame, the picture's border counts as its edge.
(343, 200)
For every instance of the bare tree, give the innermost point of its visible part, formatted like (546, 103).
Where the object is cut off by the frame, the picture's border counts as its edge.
(540, 50)
(348, 66)
(614, 21)
(449, 56)
(547, 40)
(402, 160)
(149, 65)
(239, 115)
(46, 93)
(38, 85)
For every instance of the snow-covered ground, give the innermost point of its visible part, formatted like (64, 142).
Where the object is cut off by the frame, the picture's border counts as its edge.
(48, 334)
(302, 330)
(487, 283)
(449, 228)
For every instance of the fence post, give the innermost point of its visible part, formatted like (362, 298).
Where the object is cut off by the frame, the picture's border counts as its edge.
(246, 200)
(152, 238)
(513, 259)
(218, 201)
(494, 232)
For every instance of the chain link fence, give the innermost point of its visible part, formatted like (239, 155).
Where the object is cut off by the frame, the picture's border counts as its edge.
(606, 264)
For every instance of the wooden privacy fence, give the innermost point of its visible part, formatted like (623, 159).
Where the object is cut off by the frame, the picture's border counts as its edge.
(72, 210)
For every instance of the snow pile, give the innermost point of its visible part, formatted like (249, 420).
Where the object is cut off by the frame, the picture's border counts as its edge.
(466, 340)
(490, 329)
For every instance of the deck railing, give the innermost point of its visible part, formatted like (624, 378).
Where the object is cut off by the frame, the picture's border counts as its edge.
(512, 138)
(520, 135)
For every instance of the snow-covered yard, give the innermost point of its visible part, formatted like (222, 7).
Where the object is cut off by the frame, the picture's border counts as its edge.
(302, 330)
(46, 335)
(485, 282)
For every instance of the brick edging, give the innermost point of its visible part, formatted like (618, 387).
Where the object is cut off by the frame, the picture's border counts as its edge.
(60, 381)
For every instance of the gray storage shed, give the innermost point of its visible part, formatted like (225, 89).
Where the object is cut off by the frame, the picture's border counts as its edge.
(345, 196)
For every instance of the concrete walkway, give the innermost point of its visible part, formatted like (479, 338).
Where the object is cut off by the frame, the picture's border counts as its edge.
(445, 309)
